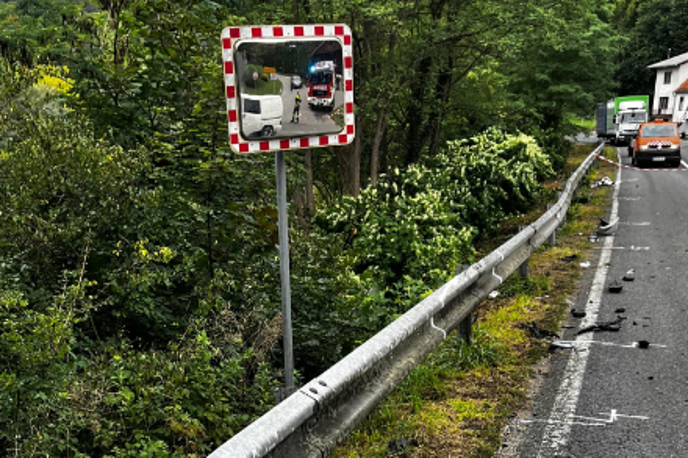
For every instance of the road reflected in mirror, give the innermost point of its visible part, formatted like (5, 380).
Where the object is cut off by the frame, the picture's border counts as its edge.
(290, 88)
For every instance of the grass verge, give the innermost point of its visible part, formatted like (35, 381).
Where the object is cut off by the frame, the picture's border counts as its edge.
(458, 401)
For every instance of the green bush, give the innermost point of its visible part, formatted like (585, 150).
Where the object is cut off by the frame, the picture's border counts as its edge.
(406, 235)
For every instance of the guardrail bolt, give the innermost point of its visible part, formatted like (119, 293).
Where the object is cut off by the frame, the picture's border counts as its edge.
(464, 332)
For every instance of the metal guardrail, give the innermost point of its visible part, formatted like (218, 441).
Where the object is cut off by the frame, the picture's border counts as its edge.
(311, 422)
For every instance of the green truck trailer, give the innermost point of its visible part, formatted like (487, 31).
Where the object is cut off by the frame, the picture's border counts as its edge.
(618, 119)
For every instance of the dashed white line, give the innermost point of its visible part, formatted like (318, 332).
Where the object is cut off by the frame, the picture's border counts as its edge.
(631, 223)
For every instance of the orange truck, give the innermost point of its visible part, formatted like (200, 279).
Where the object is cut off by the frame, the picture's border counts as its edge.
(658, 142)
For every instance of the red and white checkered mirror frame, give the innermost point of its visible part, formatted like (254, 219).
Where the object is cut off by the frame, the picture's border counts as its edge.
(231, 35)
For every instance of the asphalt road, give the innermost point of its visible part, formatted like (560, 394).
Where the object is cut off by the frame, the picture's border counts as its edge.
(607, 397)
(311, 122)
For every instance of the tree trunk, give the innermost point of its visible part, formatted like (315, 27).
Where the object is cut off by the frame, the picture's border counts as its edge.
(444, 83)
(295, 10)
(379, 133)
(310, 197)
(414, 116)
(300, 209)
(349, 158)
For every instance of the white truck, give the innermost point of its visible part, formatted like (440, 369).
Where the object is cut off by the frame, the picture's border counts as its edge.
(322, 85)
(618, 119)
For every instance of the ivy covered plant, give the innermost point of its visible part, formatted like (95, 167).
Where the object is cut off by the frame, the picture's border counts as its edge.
(427, 216)
(407, 234)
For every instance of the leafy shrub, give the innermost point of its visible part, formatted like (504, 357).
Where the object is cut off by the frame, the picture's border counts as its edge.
(405, 236)
(427, 216)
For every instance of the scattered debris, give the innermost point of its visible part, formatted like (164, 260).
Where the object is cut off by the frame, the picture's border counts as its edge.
(493, 294)
(571, 258)
(612, 326)
(607, 227)
(643, 344)
(536, 331)
(620, 310)
(615, 286)
(592, 238)
(606, 181)
(630, 275)
(585, 264)
(557, 344)
(577, 314)
(400, 446)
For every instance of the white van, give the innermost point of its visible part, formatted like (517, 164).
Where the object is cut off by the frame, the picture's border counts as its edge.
(261, 115)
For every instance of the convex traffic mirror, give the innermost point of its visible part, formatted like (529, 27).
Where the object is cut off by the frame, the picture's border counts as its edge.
(288, 87)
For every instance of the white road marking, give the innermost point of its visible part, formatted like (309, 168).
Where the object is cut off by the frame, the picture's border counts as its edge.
(632, 248)
(576, 343)
(567, 423)
(683, 163)
(557, 433)
(632, 198)
(629, 223)
(614, 416)
(630, 180)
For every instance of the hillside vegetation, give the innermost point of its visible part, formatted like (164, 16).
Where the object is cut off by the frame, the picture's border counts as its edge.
(139, 273)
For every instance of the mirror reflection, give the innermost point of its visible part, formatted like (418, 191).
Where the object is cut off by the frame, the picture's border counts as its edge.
(290, 88)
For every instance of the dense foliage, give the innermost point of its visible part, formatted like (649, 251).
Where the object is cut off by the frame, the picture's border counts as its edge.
(139, 279)
(653, 31)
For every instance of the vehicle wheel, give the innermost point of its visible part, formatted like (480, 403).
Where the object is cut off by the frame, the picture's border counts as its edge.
(268, 131)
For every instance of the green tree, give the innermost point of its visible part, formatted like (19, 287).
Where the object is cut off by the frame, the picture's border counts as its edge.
(655, 31)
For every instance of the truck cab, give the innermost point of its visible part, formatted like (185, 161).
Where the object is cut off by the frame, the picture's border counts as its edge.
(322, 85)
(630, 116)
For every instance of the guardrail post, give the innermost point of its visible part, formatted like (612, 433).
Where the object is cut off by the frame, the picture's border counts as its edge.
(563, 217)
(464, 332)
(552, 239)
(523, 269)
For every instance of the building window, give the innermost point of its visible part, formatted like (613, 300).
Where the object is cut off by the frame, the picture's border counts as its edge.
(667, 77)
(663, 103)
(680, 104)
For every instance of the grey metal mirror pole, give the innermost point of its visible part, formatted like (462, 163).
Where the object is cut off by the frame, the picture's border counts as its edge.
(281, 174)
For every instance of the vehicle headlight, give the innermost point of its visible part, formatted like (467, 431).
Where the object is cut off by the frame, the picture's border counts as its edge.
(643, 148)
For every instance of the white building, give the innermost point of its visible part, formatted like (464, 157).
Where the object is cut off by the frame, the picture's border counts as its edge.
(671, 88)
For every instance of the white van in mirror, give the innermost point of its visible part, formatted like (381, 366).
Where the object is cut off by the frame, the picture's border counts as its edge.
(261, 115)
